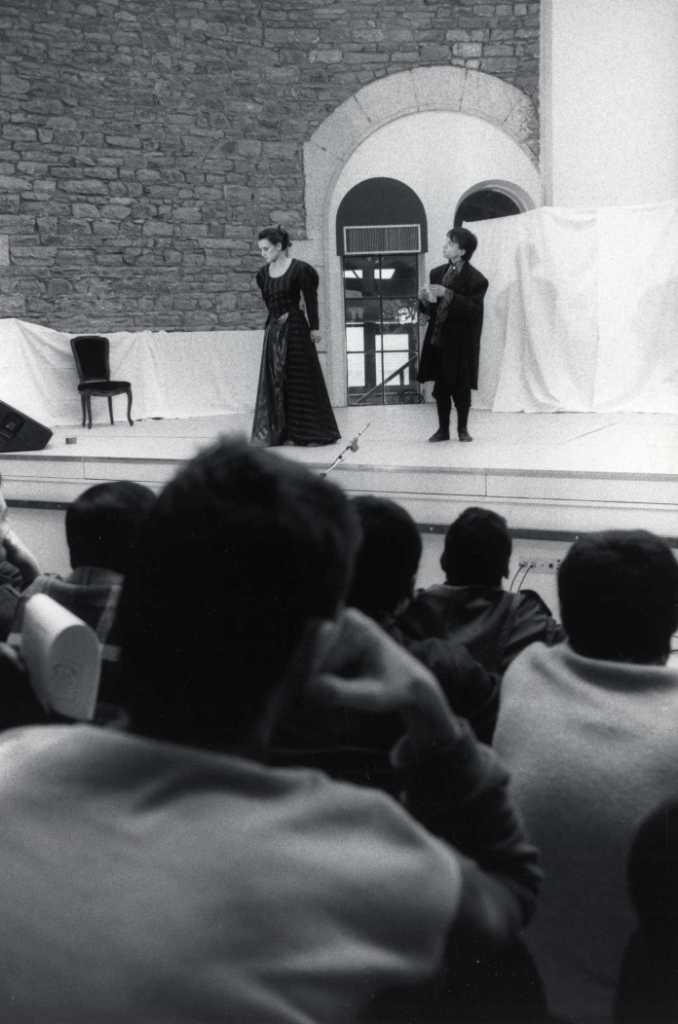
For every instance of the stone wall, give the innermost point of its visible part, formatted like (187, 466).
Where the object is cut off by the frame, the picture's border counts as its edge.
(144, 142)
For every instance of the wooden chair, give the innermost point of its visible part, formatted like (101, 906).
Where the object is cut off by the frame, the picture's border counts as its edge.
(90, 352)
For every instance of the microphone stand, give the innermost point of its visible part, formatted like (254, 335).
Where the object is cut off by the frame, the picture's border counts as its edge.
(351, 447)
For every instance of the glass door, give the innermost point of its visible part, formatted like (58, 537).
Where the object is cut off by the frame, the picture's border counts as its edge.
(382, 328)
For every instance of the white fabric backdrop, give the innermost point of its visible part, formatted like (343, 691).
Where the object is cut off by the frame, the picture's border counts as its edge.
(582, 310)
(174, 375)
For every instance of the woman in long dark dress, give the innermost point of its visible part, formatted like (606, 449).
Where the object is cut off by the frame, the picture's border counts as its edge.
(292, 401)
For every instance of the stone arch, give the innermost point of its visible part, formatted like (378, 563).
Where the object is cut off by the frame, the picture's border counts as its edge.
(419, 90)
(409, 92)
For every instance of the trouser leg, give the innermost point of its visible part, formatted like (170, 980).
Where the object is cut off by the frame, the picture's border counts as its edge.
(462, 403)
(444, 405)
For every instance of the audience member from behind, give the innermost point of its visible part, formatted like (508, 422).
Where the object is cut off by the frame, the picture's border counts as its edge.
(648, 986)
(102, 525)
(588, 732)
(382, 586)
(201, 883)
(470, 606)
(387, 560)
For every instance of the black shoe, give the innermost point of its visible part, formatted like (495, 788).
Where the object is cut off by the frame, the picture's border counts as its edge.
(440, 435)
(464, 435)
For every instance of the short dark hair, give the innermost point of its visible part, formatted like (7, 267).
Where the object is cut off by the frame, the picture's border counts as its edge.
(477, 549)
(618, 592)
(465, 239)
(276, 235)
(242, 551)
(102, 524)
(388, 556)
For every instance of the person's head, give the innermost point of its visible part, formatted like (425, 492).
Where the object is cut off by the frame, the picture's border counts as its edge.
(477, 549)
(387, 559)
(460, 243)
(103, 522)
(272, 242)
(243, 553)
(618, 594)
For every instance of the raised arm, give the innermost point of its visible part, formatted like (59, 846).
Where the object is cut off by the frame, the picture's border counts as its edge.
(453, 785)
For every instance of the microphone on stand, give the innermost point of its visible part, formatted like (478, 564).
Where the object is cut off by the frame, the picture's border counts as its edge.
(352, 446)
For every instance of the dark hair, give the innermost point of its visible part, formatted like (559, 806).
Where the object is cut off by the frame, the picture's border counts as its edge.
(276, 236)
(618, 593)
(102, 524)
(242, 551)
(388, 556)
(477, 549)
(465, 239)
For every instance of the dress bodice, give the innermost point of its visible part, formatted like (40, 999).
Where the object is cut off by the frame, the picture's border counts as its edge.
(282, 294)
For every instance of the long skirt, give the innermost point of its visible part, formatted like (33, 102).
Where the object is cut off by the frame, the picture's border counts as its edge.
(292, 401)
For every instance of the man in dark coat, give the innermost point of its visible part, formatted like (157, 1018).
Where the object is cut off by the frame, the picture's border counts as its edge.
(453, 301)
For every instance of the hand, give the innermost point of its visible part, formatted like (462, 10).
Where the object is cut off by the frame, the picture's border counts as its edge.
(436, 291)
(19, 555)
(315, 337)
(359, 666)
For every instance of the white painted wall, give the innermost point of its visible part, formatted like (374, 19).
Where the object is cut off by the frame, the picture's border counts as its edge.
(440, 155)
(609, 101)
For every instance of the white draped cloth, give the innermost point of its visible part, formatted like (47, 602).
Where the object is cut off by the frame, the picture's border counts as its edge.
(582, 310)
(173, 375)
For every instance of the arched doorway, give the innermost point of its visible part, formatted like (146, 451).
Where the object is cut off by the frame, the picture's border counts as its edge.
(484, 205)
(489, 199)
(381, 230)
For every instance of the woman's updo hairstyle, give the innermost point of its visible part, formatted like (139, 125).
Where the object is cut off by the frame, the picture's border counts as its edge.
(276, 236)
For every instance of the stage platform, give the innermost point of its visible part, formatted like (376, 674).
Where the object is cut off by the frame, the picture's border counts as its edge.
(551, 475)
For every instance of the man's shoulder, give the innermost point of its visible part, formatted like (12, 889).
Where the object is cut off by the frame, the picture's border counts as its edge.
(475, 276)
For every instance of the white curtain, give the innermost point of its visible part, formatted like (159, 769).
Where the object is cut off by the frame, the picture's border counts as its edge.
(582, 310)
(173, 375)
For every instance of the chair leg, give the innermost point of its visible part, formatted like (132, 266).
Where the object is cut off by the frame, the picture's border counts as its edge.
(129, 408)
(89, 412)
(83, 403)
(110, 408)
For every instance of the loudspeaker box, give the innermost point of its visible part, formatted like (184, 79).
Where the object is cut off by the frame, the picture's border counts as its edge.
(19, 433)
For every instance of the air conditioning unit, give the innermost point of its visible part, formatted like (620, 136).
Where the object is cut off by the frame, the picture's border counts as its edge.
(360, 240)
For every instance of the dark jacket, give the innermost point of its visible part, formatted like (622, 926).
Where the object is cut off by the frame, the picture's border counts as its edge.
(493, 624)
(455, 363)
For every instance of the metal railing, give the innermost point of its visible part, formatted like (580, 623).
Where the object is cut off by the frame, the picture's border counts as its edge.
(383, 383)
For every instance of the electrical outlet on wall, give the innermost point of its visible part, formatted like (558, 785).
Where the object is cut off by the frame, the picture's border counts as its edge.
(540, 564)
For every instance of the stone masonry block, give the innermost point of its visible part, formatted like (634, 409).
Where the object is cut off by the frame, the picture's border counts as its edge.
(488, 97)
(320, 167)
(340, 133)
(388, 97)
(522, 122)
(439, 88)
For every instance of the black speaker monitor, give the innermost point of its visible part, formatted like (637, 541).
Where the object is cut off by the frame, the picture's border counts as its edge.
(19, 433)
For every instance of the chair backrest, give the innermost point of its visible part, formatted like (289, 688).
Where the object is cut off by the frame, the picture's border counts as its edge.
(90, 352)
